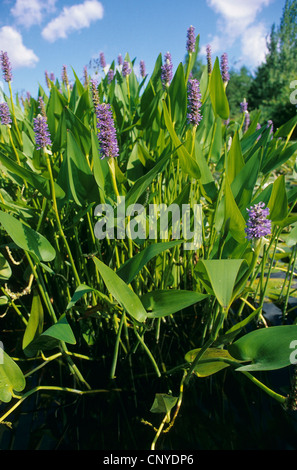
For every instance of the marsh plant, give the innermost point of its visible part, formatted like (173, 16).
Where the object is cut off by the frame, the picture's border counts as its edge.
(100, 305)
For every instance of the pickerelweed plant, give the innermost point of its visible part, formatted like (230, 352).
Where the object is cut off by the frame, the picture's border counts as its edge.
(163, 141)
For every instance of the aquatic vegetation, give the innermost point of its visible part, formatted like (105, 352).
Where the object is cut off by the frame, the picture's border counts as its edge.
(138, 155)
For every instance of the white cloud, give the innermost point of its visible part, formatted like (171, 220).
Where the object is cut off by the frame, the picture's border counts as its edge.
(238, 10)
(238, 22)
(19, 55)
(254, 46)
(29, 12)
(72, 19)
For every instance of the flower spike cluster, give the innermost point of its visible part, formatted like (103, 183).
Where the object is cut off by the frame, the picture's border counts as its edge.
(5, 114)
(42, 135)
(194, 102)
(106, 131)
(142, 69)
(110, 75)
(102, 60)
(65, 76)
(191, 39)
(6, 67)
(225, 68)
(258, 225)
(208, 58)
(166, 70)
(126, 70)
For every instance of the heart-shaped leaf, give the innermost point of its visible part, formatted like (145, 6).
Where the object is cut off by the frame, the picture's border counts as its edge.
(50, 338)
(166, 302)
(11, 377)
(220, 275)
(163, 403)
(266, 349)
(209, 368)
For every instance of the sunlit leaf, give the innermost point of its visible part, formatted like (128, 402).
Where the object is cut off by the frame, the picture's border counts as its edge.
(11, 377)
(26, 238)
(267, 348)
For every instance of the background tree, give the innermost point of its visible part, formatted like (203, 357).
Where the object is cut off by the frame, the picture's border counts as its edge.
(270, 90)
(238, 89)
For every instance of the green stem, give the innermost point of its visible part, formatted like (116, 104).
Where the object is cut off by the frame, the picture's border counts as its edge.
(55, 207)
(13, 114)
(50, 388)
(116, 349)
(276, 396)
(148, 352)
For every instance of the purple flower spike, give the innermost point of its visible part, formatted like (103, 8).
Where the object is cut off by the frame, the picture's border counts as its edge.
(42, 135)
(244, 106)
(258, 225)
(142, 69)
(126, 70)
(225, 68)
(191, 39)
(65, 76)
(106, 131)
(110, 75)
(194, 102)
(257, 128)
(5, 114)
(6, 67)
(94, 90)
(41, 106)
(102, 60)
(208, 58)
(247, 121)
(166, 70)
(47, 79)
(120, 59)
(270, 124)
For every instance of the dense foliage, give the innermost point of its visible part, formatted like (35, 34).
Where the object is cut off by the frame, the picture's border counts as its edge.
(84, 316)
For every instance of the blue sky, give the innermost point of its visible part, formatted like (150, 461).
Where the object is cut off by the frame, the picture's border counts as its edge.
(41, 35)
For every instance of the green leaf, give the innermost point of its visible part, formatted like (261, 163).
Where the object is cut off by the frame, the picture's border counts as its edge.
(244, 182)
(278, 158)
(209, 368)
(217, 92)
(5, 269)
(267, 348)
(232, 212)
(278, 202)
(145, 181)
(221, 276)
(36, 181)
(235, 161)
(100, 168)
(187, 162)
(27, 238)
(81, 133)
(50, 338)
(134, 265)
(35, 324)
(160, 303)
(121, 292)
(11, 377)
(291, 238)
(163, 403)
(178, 96)
(75, 175)
(236, 329)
